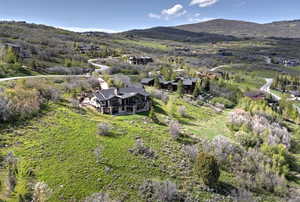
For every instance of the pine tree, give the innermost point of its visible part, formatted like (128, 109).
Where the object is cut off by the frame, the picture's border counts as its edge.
(10, 56)
(153, 116)
(156, 83)
(197, 89)
(180, 89)
(207, 168)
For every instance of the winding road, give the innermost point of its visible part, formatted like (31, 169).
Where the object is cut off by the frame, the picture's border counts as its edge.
(216, 68)
(266, 88)
(100, 67)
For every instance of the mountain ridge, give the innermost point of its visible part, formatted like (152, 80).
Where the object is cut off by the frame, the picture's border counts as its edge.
(232, 28)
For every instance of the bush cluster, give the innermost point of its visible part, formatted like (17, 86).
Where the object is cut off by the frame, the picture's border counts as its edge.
(25, 99)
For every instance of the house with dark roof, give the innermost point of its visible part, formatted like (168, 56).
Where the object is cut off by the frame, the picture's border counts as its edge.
(119, 101)
(147, 81)
(255, 95)
(16, 48)
(188, 83)
(135, 60)
(295, 93)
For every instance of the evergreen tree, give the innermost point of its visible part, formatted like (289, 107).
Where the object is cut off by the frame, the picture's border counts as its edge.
(207, 168)
(153, 116)
(206, 85)
(156, 82)
(10, 56)
(197, 89)
(180, 89)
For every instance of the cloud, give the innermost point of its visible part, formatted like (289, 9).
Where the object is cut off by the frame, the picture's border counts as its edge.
(153, 15)
(203, 3)
(175, 11)
(81, 29)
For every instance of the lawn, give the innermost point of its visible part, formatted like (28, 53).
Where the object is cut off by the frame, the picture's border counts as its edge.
(148, 44)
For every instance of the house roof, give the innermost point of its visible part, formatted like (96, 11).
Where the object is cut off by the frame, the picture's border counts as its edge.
(296, 93)
(147, 80)
(121, 93)
(187, 82)
(255, 94)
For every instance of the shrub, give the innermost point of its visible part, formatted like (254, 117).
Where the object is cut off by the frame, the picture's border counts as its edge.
(191, 151)
(153, 116)
(238, 118)
(174, 128)
(24, 103)
(220, 100)
(41, 193)
(141, 149)
(98, 153)
(227, 153)
(104, 129)
(93, 82)
(207, 168)
(279, 156)
(279, 135)
(165, 191)
(255, 173)
(11, 180)
(182, 111)
(5, 113)
(171, 107)
(248, 139)
(98, 197)
(75, 103)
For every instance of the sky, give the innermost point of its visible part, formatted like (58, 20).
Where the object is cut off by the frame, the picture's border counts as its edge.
(122, 15)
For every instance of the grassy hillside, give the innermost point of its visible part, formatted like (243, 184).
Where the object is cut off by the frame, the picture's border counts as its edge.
(62, 148)
(58, 148)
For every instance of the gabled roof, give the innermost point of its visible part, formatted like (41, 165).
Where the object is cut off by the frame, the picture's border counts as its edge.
(105, 94)
(255, 94)
(147, 80)
(121, 93)
(187, 82)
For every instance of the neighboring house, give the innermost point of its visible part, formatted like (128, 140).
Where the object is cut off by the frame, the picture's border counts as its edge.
(182, 49)
(210, 75)
(295, 93)
(16, 48)
(134, 60)
(121, 101)
(224, 52)
(147, 81)
(291, 63)
(87, 48)
(255, 95)
(188, 83)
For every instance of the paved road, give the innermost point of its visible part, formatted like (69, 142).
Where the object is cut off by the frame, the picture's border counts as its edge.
(101, 67)
(216, 68)
(266, 88)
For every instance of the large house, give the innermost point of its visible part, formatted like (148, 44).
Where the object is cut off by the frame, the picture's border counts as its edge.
(188, 83)
(134, 60)
(119, 101)
(3, 48)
